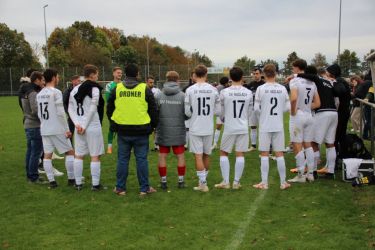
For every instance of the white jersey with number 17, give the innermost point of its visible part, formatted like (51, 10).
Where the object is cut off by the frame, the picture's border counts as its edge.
(271, 100)
(201, 103)
(237, 104)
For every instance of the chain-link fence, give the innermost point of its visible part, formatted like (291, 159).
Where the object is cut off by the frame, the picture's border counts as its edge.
(10, 77)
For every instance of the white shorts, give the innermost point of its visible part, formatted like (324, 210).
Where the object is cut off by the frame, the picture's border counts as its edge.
(91, 142)
(325, 125)
(254, 119)
(218, 121)
(200, 144)
(301, 127)
(241, 143)
(58, 142)
(275, 138)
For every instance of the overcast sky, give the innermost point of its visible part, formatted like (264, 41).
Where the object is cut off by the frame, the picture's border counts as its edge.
(224, 30)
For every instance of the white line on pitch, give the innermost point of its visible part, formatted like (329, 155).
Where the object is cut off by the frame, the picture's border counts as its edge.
(240, 233)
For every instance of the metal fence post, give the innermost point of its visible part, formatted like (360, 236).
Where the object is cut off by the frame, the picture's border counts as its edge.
(361, 120)
(11, 81)
(372, 131)
(103, 73)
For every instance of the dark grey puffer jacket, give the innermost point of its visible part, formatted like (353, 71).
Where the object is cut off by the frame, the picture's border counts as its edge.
(171, 128)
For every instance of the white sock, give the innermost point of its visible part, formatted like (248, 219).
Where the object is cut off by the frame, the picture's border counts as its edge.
(331, 159)
(202, 176)
(316, 159)
(206, 172)
(181, 178)
(300, 161)
(310, 159)
(78, 169)
(187, 137)
(69, 165)
(216, 136)
(225, 168)
(47, 165)
(163, 179)
(264, 166)
(110, 145)
(238, 169)
(280, 161)
(253, 135)
(95, 172)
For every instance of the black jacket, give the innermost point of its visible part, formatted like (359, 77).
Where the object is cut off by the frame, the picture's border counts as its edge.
(325, 90)
(133, 130)
(342, 90)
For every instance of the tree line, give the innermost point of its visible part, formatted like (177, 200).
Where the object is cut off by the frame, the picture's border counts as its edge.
(83, 43)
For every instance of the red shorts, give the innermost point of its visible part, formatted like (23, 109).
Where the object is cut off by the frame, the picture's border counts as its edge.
(176, 149)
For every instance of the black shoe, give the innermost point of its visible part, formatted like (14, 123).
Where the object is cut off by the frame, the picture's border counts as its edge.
(71, 182)
(40, 180)
(52, 185)
(328, 176)
(181, 184)
(163, 185)
(96, 188)
(315, 173)
(78, 187)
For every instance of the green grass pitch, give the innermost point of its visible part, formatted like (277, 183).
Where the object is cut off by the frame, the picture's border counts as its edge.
(322, 215)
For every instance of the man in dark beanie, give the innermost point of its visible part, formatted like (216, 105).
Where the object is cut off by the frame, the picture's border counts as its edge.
(342, 91)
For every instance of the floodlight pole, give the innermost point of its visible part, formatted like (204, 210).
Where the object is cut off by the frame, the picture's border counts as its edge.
(338, 47)
(148, 58)
(45, 33)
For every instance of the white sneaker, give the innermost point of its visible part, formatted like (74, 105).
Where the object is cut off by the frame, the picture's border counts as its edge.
(298, 179)
(57, 172)
(202, 188)
(251, 149)
(310, 177)
(236, 186)
(56, 157)
(284, 186)
(222, 185)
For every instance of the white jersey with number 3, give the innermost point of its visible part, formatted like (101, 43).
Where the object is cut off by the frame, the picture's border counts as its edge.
(271, 100)
(201, 104)
(237, 104)
(51, 112)
(306, 91)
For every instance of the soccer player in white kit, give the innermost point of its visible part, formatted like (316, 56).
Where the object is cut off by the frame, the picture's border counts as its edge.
(201, 103)
(271, 100)
(219, 123)
(304, 98)
(88, 138)
(54, 127)
(236, 106)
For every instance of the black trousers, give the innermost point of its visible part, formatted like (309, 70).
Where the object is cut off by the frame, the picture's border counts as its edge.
(342, 125)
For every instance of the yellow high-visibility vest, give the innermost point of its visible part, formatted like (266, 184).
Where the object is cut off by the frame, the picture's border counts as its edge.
(131, 106)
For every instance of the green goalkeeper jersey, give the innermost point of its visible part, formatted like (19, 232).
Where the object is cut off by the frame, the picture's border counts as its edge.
(108, 88)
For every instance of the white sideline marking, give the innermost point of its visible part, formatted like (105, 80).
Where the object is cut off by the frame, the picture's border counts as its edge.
(242, 228)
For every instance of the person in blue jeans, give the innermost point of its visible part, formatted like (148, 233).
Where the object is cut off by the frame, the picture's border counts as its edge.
(31, 123)
(132, 111)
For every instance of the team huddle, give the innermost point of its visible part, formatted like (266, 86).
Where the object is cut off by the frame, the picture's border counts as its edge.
(136, 110)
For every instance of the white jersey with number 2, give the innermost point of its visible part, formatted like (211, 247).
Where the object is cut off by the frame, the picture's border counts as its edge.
(271, 100)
